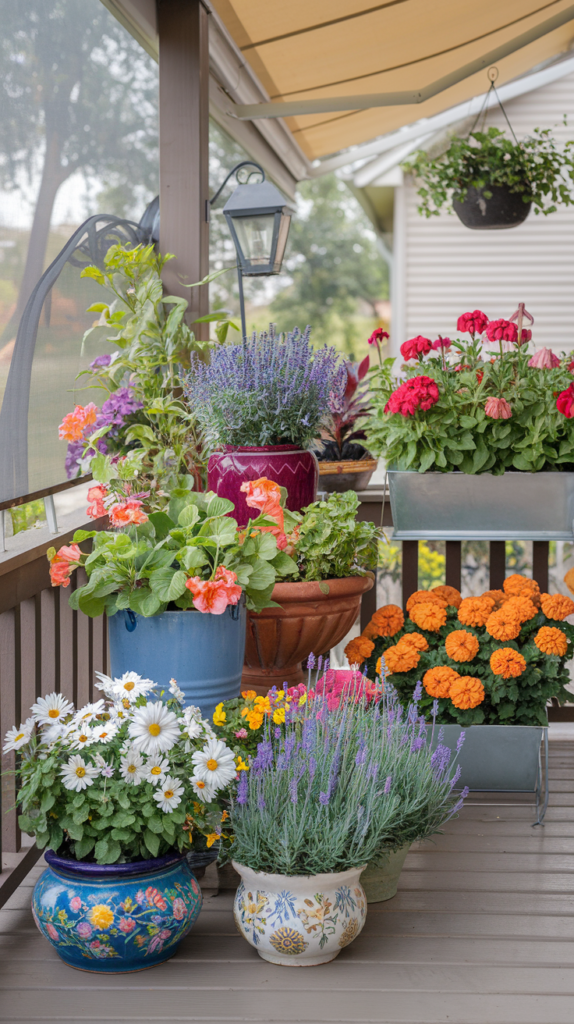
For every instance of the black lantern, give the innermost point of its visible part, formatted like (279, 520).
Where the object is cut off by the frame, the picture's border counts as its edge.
(258, 216)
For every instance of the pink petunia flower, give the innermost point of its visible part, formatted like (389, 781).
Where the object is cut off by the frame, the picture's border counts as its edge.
(498, 409)
(544, 359)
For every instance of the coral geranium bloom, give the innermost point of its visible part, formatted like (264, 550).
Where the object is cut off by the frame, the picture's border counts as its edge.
(507, 662)
(557, 606)
(474, 611)
(97, 495)
(214, 595)
(358, 650)
(401, 659)
(415, 640)
(127, 513)
(461, 646)
(503, 624)
(63, 563)
(75, 423)
(551, 640)
(429, 616)
(265, 495)
(438, 681)
(388, 620)
(466, 692)
(451, 595)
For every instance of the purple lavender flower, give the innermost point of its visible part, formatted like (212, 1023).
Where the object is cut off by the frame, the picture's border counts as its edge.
(455, 777)
(324, 799)
(104, 360)
(311, 661)
(460, 741)
(277, 733)
(388, 784)
(372, 770)
(417, 744)
(434, 709)
(418, 692)
(312, 766)
(242, 788)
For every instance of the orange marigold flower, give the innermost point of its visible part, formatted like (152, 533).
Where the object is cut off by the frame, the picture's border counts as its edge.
(451, 595)
(507, 662)
(358, 650)
(438, 681)
(503, 624)
(522, 607)
(370, 631)
(498, 596)
(401, 659)
(388, 620)
(474, 611)
(569, 580)
(427, 596)
(461, 646)
(415, 640)
(551, 640)
(467, 692)
(428, 615)
(556, 606)
(518, 585)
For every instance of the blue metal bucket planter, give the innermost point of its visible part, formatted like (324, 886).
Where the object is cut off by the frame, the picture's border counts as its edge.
(203, 652)
(116, 918)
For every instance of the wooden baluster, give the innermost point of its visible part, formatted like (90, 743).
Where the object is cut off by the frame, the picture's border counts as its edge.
(497, 564)
(410, 569)
(540, 553)
(453, 564)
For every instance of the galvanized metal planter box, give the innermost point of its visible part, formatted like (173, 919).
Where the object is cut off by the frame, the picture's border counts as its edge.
(502, 758)
(458, 506)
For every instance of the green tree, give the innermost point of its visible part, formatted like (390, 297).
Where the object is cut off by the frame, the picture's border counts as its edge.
(78, 94)
(332, 261)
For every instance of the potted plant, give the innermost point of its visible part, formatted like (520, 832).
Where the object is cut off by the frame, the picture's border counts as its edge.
(327, 792)
(141, 376)
(475, 431)
(492, 662)
(318, 601)
(259, 406)
(345, 463)
(493, 181)
(176, 584)
(116, 793)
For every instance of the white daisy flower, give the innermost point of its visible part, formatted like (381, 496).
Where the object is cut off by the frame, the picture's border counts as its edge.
(202, 790)
(175, 690)
(156, 769)
(105, 683)
(132, 768)
(103, 732)
(90, 712)
(194, 729)
(83, 737)
(121, 711)
(76, 774)
(215, 764)
(168, 795)
(56, 732)
(130, 686)
(191, 713)
(18, 737)
(154, 728)
(51, 709)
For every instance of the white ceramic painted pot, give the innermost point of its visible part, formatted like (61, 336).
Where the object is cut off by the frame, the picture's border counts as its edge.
(299, 920)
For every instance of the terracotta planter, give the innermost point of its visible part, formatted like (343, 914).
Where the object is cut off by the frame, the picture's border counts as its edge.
(287, 464)
(347, 475)
(279, 639)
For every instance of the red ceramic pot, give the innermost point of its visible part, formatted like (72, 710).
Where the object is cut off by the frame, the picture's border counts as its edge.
(288, 465)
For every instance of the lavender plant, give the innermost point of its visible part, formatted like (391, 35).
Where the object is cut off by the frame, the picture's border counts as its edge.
(337, 786)
(273, 389)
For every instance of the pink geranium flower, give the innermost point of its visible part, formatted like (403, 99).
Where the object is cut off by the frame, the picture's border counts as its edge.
(473, 323)
(214, 595)
(441, 343)
(378, 336)
(417, 393)
(416, 347)
(498, 409)
(75, 423)
(502, 330)
(127, 513)
(544, 359)
(97, 495)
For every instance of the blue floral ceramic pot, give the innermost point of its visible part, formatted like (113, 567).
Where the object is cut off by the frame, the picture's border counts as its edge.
(116, 918)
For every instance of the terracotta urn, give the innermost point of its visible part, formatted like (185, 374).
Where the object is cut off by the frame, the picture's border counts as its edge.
(312, 617)
(288, 465)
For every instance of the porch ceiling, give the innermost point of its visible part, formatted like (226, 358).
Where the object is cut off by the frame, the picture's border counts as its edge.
(332, 53)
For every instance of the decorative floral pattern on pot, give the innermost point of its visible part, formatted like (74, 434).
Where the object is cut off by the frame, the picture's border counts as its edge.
(299, 921)
(116, 924)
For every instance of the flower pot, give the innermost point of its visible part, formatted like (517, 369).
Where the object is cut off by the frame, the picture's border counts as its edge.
(287, 464)
(203, 652)
(279, 639)
(460, 506)
(116, 918)
(347, 475)
(380, 882)
(299, 920)
(504, 209)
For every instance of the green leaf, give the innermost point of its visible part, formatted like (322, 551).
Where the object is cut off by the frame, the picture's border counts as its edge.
(192, 558)
(152, 842)
(145, 602)
(263, 575)
(426, 461)
(81, 535)
(283, 564)
(188, 516)
(84, 847)
(92, 606)
(265, 546)
(168, 584)
(101, 851)
(219, 507)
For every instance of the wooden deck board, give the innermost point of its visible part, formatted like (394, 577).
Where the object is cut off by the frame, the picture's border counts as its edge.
(480, 932)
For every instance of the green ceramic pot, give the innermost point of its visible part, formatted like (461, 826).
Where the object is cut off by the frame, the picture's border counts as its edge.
(380, 882)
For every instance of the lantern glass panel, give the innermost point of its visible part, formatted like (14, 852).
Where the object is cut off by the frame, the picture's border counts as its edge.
(255, 237)
(282, 240)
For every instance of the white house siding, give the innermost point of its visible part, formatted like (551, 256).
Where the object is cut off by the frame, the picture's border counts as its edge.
(444, 269)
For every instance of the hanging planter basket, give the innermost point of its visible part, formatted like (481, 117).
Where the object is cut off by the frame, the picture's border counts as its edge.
(501, 209)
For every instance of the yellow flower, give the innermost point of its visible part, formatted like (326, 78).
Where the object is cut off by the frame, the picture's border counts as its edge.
(198, 808)
(225, 815)
(212, 838)
(219, 716)
(241, 766)
(279, 716)
(101, 916)
(248, 694)
(263, 704)
(279, 696)
(254, 717)
(302, 700)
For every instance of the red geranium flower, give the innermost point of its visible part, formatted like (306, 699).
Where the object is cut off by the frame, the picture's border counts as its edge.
(474, 323)
(565, 402)
(417, 393)
(378, 336)
(441, 343)
(502, 330)
(415, 347)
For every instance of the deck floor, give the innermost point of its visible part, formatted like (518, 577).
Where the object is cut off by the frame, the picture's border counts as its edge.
(480, 932)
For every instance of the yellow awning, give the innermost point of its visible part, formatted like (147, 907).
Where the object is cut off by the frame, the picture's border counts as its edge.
(342, 50)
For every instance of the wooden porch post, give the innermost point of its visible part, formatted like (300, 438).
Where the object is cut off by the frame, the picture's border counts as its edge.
(184, 153)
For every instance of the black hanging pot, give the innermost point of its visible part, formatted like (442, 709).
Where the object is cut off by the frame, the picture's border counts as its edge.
(503, 209)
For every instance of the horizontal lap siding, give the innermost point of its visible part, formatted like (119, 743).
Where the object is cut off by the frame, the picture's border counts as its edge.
(450, 269)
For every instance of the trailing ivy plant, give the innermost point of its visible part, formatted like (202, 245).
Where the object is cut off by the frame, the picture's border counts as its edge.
(535, 167)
